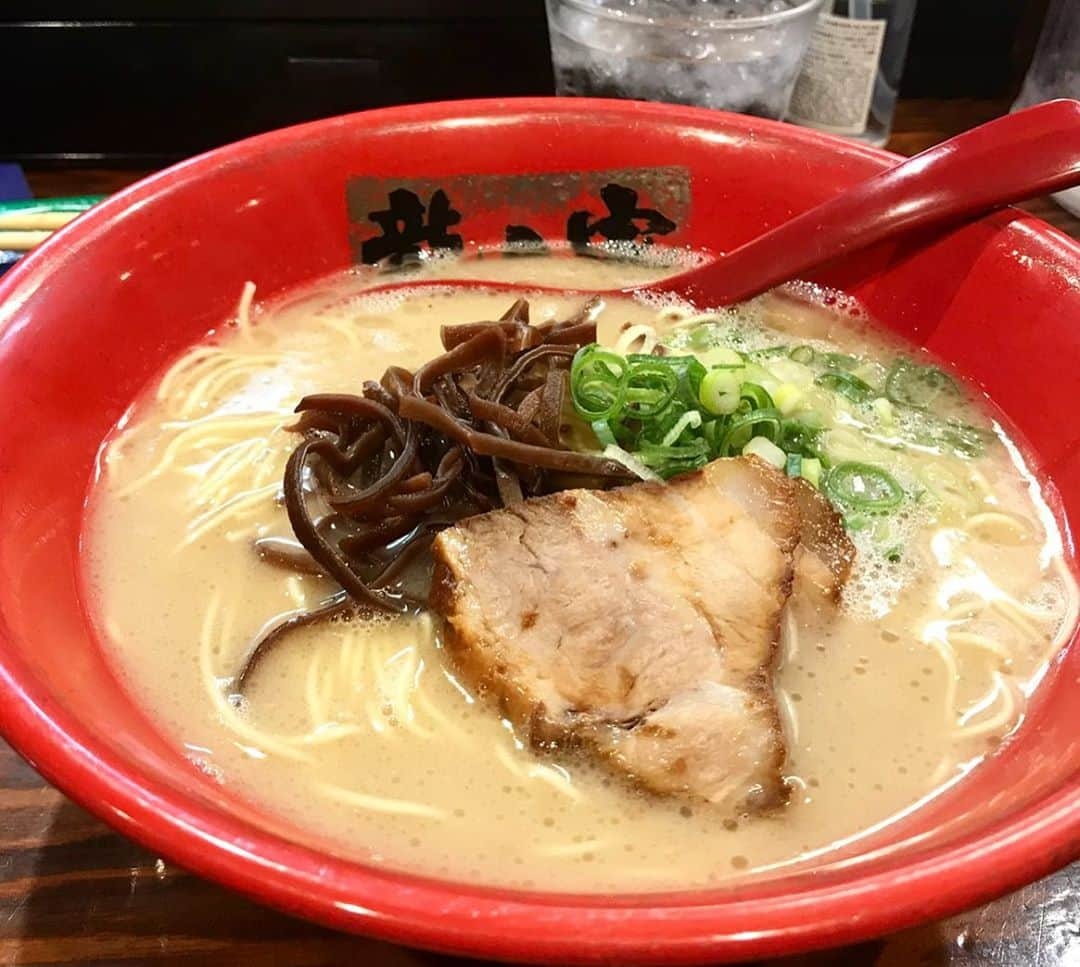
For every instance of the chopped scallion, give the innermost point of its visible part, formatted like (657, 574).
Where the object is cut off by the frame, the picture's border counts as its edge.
(847, 385)
(910, 384)
(810, 470)
(650, 388)
(787, 397)
(768, 352)
(959, 438)
(598, 380)
(719, 392)
(742, 428)
(844, 361)
(798, 436)
(756, 396)
(691, 419)
(765, 449)
(862, 487)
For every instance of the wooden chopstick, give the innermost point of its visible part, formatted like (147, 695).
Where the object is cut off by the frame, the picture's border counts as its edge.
(21, 241)
(35, 221)
(26, 224)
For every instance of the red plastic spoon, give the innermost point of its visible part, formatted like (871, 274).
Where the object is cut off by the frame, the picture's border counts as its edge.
(1032, 152)
(1021, 155)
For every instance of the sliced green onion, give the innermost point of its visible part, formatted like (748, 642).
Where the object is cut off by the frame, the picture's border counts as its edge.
(628, 460)
(787, 397)
(757, 396)
(598, 380)
(862, 487)
(719, 392)
(650, 388)
(765, 449)
(767, 352)
(843, 361)
(811, 470)
(846, 384)
(673, 460)
(962, 439)
(691, 419)
(671, 415)
(887, 532)
(742, 428)
(919, 387)
(688, 370)
(798, 436)
(713, 431)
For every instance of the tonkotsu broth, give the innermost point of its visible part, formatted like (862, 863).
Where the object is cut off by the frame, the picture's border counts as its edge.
(358, 731)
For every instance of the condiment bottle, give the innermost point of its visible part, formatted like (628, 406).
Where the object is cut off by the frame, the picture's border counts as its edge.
(851, 73)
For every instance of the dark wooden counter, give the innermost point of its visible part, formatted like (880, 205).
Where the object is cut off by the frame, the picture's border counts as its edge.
(73, 892)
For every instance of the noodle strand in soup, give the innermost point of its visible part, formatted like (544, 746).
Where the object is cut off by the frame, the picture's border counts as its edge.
(356, 730)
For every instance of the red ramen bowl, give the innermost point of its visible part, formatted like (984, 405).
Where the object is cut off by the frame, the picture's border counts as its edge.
(90, 318)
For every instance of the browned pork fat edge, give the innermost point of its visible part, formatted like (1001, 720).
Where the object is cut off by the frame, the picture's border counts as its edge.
(640, 625)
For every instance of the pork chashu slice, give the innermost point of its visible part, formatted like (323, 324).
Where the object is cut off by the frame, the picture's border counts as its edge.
(641, 624)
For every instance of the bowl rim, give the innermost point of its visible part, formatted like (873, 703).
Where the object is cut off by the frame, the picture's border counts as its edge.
(453, 917)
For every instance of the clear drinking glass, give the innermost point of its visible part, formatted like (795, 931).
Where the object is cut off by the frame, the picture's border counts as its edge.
(740, 55)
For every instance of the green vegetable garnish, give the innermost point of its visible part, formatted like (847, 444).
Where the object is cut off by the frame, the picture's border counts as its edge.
(741, 428)
(909, 384)
(674, 414)
(862, 487)
(598, 381)
(811, 470)
(650, 388)
(719, 392)
(768, 351)
(843, 361)
(670, 461)
(846, 384)
(960, 438)
(798, 436)
(756, 396)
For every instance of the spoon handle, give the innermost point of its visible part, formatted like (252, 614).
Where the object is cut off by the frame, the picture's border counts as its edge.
(1018, 156)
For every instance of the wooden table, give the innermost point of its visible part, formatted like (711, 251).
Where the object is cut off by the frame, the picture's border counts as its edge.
(73, 892)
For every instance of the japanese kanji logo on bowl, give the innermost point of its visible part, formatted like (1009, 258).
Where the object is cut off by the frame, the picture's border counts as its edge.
(394, 220)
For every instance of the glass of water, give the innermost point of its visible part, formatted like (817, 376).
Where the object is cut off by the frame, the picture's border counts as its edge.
(739, 55)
